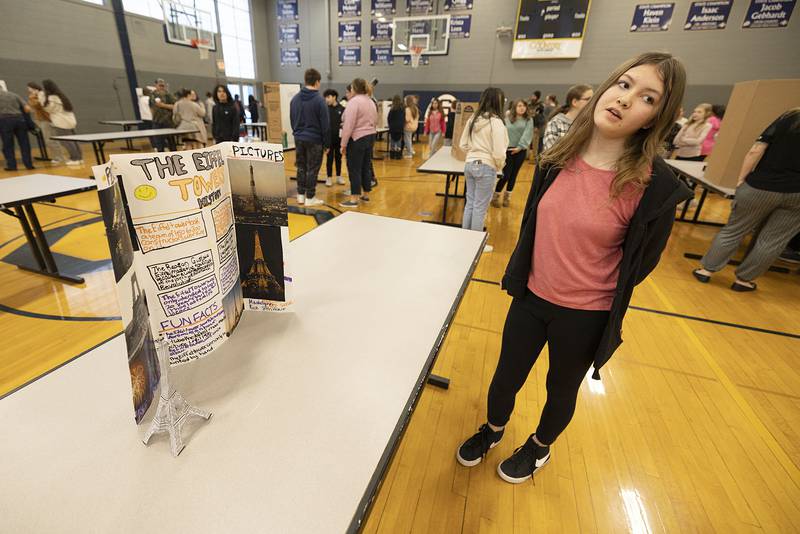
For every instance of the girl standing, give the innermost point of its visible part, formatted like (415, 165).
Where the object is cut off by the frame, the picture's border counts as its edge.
(520, 132)
(715, 120)
(573, 271)
(358, 137)
(434, 125)
(62, 118)
(689, 140)
(396, 120)
(225, 126)
(558, 126)
(188, 115)
(484, 140)
(411, 124)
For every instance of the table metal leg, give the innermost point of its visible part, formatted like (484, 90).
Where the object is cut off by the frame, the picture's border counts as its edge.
(40, 140)
(693, 186)
(40, 247)
(95, 147)
(128, 141)
(699, 207)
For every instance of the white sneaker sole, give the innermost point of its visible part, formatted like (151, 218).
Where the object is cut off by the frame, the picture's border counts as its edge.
(472, 463)
(512, 480)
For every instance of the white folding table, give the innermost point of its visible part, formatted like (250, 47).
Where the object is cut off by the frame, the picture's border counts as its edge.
(127, 125)
(17, 196)
(693, 172)
(98, 140)
(308, 406)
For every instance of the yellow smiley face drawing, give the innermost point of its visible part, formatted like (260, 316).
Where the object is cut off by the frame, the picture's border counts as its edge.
(145, 192)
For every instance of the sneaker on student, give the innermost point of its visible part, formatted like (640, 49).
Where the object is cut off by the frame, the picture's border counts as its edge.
(349, 204)
(790, 256)
(310, 202)
(329, 182)
(339, 180)
(365, 198)
(525, 461)
(301, 199)
(472, 451)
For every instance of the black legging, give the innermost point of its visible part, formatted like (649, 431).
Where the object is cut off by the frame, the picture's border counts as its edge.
(334, 154)
(511, 170)
(359, 164)
(572, 337)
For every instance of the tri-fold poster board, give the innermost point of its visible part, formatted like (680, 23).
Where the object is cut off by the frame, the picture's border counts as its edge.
(196, 237)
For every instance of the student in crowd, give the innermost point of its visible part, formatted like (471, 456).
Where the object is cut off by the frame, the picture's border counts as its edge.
(162, 103)
(358, 137)
(42, 120)
(225, 124)
(252, 107)
(484, 140)
(187, 114)
(310, 121)
(335, 111)
(573, 270)
(396, 120)
(209, 105)
(451, 123)
(520, 132)
(434, 125)
(550, 105)
(239, 108)
(767, 201)
(558, 125)
(689, 141)
(715, 120)
(411, 124)
(13, 125)
(62, 117)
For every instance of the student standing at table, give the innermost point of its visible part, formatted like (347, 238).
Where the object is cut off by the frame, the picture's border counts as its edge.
(558, 125)
(689, 141)
(225, 124)
(715, 120)
(12, 124)
(573, 270)
(62, 116)
(484, 140)
(334, 156)
(396, 121)
(434, 125)
(358, 137)
(767, 200)
(311, 129)
(520, 133)
(188, 114)
(411, 125)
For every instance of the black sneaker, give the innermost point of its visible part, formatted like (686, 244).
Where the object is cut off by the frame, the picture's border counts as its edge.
(349, 204)
(472, 451)
(790, 256)
(525, 461)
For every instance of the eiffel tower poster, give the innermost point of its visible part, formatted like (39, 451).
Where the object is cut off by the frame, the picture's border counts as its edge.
(259, 282)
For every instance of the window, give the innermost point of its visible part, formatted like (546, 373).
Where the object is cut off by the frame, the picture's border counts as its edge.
(235, 26)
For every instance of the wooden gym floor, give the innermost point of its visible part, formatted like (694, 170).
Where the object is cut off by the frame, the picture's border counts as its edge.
(695, 426)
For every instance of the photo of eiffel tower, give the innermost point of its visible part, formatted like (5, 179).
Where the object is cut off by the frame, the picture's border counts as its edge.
(259, 192)
(259, 282)
(117, 232)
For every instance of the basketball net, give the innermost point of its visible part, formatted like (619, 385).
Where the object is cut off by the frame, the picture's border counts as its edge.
(416, 54)
(202, 46)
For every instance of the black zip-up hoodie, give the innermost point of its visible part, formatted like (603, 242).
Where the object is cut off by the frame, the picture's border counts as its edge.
(646, 237)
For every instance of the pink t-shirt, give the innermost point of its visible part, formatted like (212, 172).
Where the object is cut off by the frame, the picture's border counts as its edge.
(579, 234)
(711, 138)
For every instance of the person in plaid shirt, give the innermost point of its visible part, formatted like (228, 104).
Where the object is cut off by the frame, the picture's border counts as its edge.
(558, 126)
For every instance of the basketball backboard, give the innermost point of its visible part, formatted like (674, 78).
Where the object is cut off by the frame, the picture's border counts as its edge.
(431, 32)
(189, 26)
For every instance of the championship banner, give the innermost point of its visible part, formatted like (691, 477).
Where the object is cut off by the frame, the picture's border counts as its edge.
(419, 6)
(289, 34)
(290, 56)
(350, 31)
(768, 13)
(450, 5)
(287, 10)
(652, 17)
(460, 26)
(550, 29)
(196, 237)
(350, 56)
(383, 7)
(711, 15)
(380, 31)
(349, 8)
(381, 55)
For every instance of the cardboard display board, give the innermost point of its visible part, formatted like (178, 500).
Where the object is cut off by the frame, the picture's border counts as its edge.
(272, 103)
(464, 110)
(752, 107)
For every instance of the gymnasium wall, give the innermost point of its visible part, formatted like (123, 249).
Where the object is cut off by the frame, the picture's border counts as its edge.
(76, 45)
(715, 60)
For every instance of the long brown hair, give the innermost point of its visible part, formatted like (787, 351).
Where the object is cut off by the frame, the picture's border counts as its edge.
(359, 86)
(574, 92)
(490, 105)
(397, 102)
(411, 104)
(512, 111)
(641, 148)
(50, 88)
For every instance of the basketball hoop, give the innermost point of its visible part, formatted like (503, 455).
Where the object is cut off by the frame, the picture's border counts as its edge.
(416, 54)
(201, 45)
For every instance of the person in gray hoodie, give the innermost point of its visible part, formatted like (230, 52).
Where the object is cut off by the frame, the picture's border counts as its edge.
(484, 140)
(311, 129)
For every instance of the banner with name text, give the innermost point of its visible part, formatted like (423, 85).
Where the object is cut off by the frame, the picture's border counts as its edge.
(350, 31)
(652, 17)
(383, 7)
(460, 26)
(289, 34)
(290, 57)
(709, 15)
(381, 55)
(380, 31)
(350, 56)
(550, 29)
(768, 13)
(287, 10)
(450, 5)
(349, 8)
(419, 6)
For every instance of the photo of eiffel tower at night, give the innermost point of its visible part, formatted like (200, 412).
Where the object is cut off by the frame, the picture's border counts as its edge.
(260, 262)
(259, 192)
